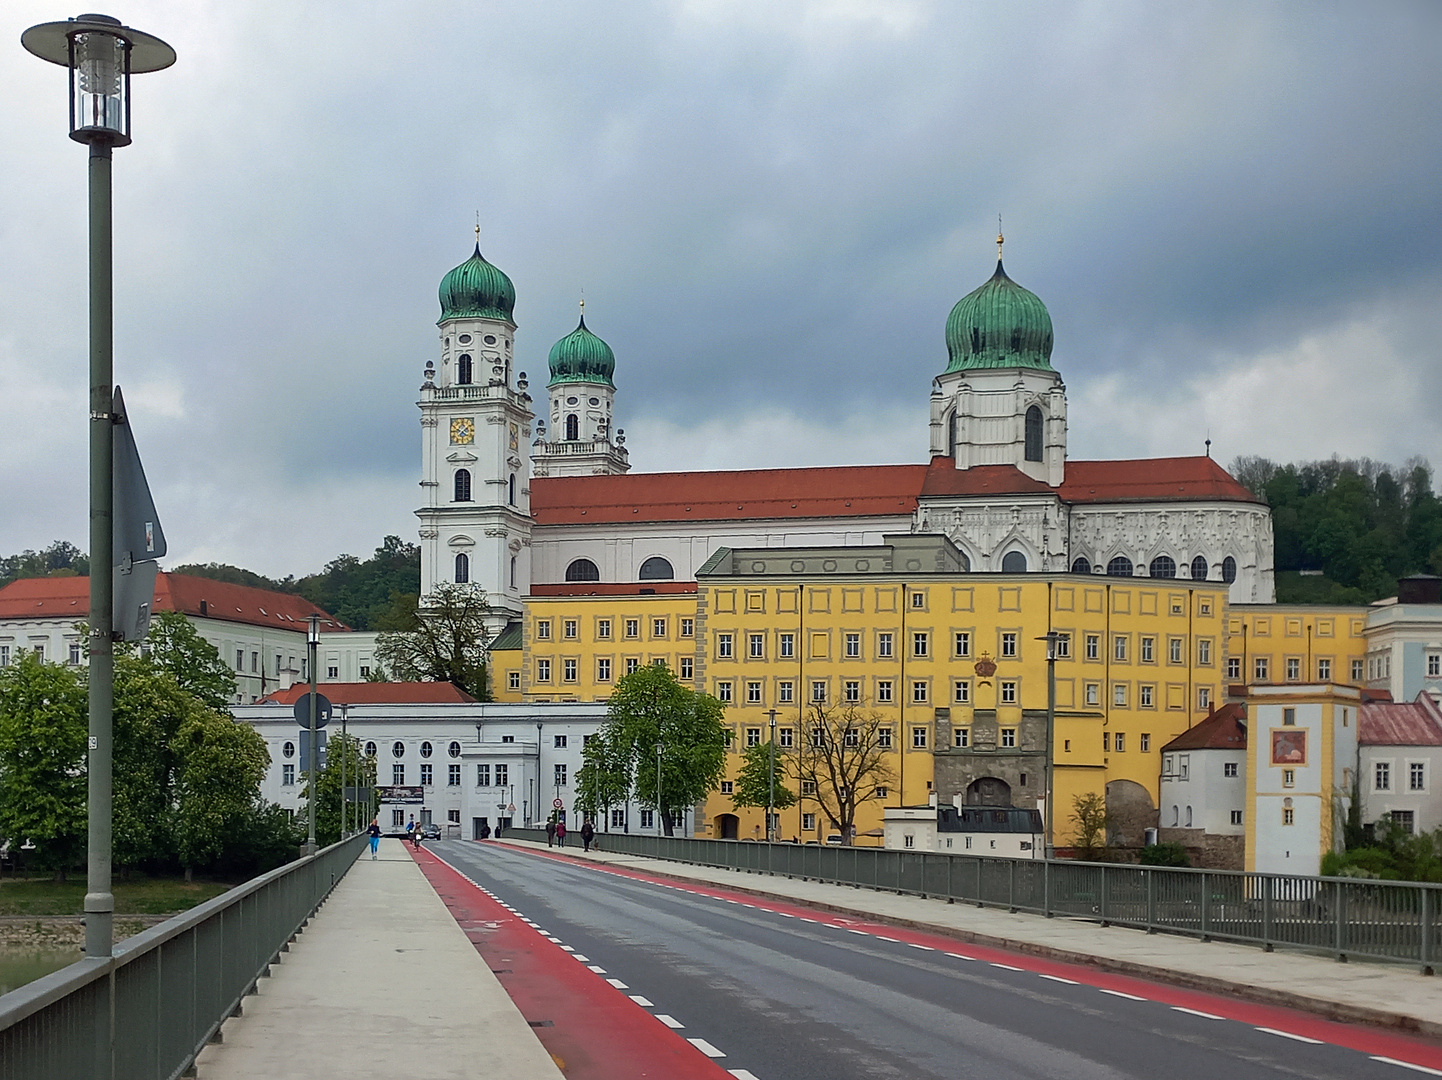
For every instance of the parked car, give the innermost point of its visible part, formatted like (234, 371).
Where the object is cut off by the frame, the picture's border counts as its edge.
(833, 838)
(430, 831)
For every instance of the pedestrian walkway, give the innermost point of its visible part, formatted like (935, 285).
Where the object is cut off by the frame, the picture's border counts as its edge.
(382, 983)
(1390, 995)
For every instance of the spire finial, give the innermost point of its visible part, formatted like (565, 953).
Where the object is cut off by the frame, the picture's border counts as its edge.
(583, 306)
(999, 238)
(478, 232)
(1209, 444)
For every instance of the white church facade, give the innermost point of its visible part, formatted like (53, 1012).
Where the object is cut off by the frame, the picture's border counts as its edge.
(521, 495)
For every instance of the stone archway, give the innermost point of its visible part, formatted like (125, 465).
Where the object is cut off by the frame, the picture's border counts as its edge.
(727, 826)
(1129, 806)
(988, 791)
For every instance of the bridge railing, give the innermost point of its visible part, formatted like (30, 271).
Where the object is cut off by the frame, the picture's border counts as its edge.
(1395, 921)
(147, 1011)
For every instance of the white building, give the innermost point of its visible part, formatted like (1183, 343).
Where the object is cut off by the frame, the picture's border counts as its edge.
(1003, 832)
(1401, 752)
(1404, 640)
(1203, 790)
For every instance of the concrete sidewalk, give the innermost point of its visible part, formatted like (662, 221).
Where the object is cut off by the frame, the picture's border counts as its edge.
(382, 983)
(1392, 996)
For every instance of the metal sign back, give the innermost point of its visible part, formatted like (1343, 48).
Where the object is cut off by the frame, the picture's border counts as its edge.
(138, 535)
(322, 711)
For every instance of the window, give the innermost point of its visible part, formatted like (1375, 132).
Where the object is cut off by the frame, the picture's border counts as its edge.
(603, 629)
(818, 691)
(1148, 649)
(882, 792)
(883, 646)
(688, 627)
(75, 655)
(1236, 817)
(1288, 816)
(398, 775)
(371, 749)
(1094, 647)
(1416, 776)
(1093, 693)
(464, 369)
(919, 643)
(688, 667)
(513, 680)
(1120, 566)
(453, 749)
(961, 737)
(1162, 567)
(753, 736)
(560, 771)
(426, 749)
(1106, 742)
(618, 819)
(1434, 665)
(918, 738)
(1204, 652)
(573, 427)
(818, 737)
(724, 693)
(1289, 717)
(1120, 742)
(543, 671)
(453, 776)
(884, 691)
(727, 787)
(463, 485)
(463, 569)
(919, 691)
(1146, 743)
(503, 774)
(808, 821)
(543, 629)
(1008, 644)
(1081, 565)
(1008, 737)
(852, 737)
(1294, 669)
(655, 569)
(1119, 648)
(1234, 667)
(1204, 698)
(785, 692)
(1119, 694)
(1013, 562)
(568, 670)
(1229, 570)
(603, 669)
(1199, 568)
(239, 657)
(4, 655)
(1230, 768)
(851, 691)
(1032, 449)
(1324, 670)
(508, 738)
(1063, 646)
(287, 775)
(918, 600)
(1174, 650)
(785, 737)
(1405, 819)
(582, 570)
(1382, 776)
(427, 775)
(365, 669)
(961, 691)
(1289, 777)
(853, 646)
(648, 819)
(483, 776)
(908, 840)
(658, 628)
(961, 643)
(1259, 669)
(756, 646)
(883, 738)
(724, 646)
(398, 749)
(1144, 696)
(570, 629)
(1356, 671)
(1008, 691)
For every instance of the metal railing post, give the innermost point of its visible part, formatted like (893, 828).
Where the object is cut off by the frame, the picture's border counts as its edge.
(1104, 890)
(1267, 913)
(1424, 953)
(1046, 886)
(1151, 900)
(1339, 944)
(1011, 886)
(1206, 908)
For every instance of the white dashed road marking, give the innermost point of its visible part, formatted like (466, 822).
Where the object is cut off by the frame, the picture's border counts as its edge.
(645, 1004)
(1118, 993)
(927, 948)
(743, 1074)
(1195, 1012)
(618, 984)
(1407, 1065)
(597, 968)
(706, 1048)
(1290, 1035)
(669, 1021)
(1058, 978)
(1005, 967)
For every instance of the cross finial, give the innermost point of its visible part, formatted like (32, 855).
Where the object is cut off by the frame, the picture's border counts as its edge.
(478, 227)
(583, 305)
(999, 238)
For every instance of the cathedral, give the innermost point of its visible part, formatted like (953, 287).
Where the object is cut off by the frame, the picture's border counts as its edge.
(521, 500)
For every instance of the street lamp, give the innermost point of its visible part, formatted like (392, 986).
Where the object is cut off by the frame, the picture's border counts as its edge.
(312, 641)
(101, 55)
(1051, 639)
(771, 779)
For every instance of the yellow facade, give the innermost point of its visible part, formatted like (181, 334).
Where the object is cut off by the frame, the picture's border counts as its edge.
(1295, 643)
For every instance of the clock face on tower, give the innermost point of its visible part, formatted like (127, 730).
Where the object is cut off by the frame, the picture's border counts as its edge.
(463, 430)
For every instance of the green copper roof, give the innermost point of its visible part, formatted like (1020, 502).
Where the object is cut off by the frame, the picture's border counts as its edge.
(477, 290)
(999, 325)
(581, 356)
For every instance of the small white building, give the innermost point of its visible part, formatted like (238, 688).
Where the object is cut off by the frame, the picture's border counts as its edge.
(1006, 832)
(1404, 640)
(1203, 790)
(1400, 754)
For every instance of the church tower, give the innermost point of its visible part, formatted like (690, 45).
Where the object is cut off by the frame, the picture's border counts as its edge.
(475, 521)
(1000, 402)
(581, 441)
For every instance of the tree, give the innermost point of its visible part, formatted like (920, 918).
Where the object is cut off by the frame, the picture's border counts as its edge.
(651, 709)
(841, 757)
(60, 559)
(235, 575)
(603, 780)
(360, 770)
(222, 765)
(175, 646)
(42, 761)
(759, 783)
(445, 642)
(359, 593)
(1093, 822)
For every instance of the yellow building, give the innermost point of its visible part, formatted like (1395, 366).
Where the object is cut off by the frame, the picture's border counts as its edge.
(1295, 643)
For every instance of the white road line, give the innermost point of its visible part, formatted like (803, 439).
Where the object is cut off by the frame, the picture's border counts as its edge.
(733, 901)
(1289, 1035)
(706, 1048)
(1407, 1065)
(618, 984)
(960, 956)
(597, 968)
(1058, 978)
(583, 959)
(669, 1021)
(786, 915)
(569, 948)
(914, 945)
(890, 939)
(743, 1074)
(1195, 1012)
(1118, 993)
(863, 933)
(643, 1002)
(1004, 967)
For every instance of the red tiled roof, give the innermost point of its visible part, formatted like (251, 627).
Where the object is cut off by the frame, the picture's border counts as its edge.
(375, 693)
(69, 597)
(613, 588)
(944, 478)
(1225, 728)
(1400, 723)
(1147, 479)
(844, 491)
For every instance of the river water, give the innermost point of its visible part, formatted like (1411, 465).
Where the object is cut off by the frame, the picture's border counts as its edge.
(20, 964)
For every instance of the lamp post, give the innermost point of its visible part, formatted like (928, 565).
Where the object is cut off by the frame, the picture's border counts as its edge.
(312, 640)
(344, 803)
(1051, 639)
(101, 55)
(771, 779)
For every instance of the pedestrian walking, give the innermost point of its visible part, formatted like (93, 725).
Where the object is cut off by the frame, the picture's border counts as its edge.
(588, 833)
(550, 833)
(560, 834)
(485, 831)
(375, 834)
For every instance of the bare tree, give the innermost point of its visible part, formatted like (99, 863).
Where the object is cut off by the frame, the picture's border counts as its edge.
(840, 759)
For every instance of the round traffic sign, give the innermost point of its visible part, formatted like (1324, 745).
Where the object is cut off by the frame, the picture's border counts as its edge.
(322, 710)
(557, 803)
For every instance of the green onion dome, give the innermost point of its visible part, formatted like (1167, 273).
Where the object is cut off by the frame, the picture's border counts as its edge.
(477, 290)
(581, 356)
(1000, 325)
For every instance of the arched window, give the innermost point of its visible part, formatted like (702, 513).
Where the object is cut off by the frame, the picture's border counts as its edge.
(1033, 434)
(1229, 569)
(656, 569)
(1081, 565)
(1199, 568)
(573, 427)
(1013, 562)
(1163, 566)
(398, 749)
(1176, 815)
(513, 571)
(463, 485)
(464, 370)
(454, 749)
(951, 423)
(582, 570)
(463, 568)
(511, 489)
(1120, 566)
(1189, 817)
(425, 749)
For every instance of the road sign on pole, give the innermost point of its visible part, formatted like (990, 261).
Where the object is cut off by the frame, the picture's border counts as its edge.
(557, 803)
(322, 711)
(137, 539)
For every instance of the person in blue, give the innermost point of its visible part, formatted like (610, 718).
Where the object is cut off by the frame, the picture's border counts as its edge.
(375, 834)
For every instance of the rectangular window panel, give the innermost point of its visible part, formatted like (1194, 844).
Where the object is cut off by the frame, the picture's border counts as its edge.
(1204, 652)
(920, 641)
(398, 775)
(1259, 669)
(753, 736)
(1356, 671)
(483, 776)
(884, 646)
(1119, 694)
(853, 646)
(603, 669)
(688, 667)
(1008, 645)
(1382, 776)
(724, 646)
(1294, 669)
(1094, 647)
(918, 738)
(961, 737)
(543, 629)
(453, 775)
(723, 691)
(632, 664)
(543, 671)
(808, 822)
(1093, 693)
(1120, 741)
(427, 775)
(603, 629)
(568, 670)
(503, 773)
(1063, 646)
(961, 691)
(1144, 698)
(1008, 737)
(884, 738)
(753, 692)
(786, 646)
(1119, 647)
(287, 772)
(818, 691)
(633, 628)
(785, 691)
(919, 691)
(560, 775)
(1324, 670)
(884, 691)
(688, 627)
(571, 629)
(1008, 691)
(1204, 698)
(851, 691)
(1416, 776)
(1146, 744)
(1234, 667)
(961, 645)
(658, 628)
(785, 737)
(756, 646)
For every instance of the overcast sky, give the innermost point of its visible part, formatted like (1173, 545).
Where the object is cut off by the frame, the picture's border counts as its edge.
(1232, 212)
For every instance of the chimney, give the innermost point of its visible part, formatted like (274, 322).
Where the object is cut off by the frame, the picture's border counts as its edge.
(931, 800)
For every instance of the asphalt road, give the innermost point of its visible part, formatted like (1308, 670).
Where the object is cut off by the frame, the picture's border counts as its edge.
(786, 998)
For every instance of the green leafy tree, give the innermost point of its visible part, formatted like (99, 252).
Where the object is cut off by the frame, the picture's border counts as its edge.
(42, 761)
(603, 780)
(1092, 822)
(222, 763)
(60, 559)
(359, 592)
(651, 709)
(360, 770)
(235, 575)
(841, 757)
(446, 641)
(175, 646)
(762, 778)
